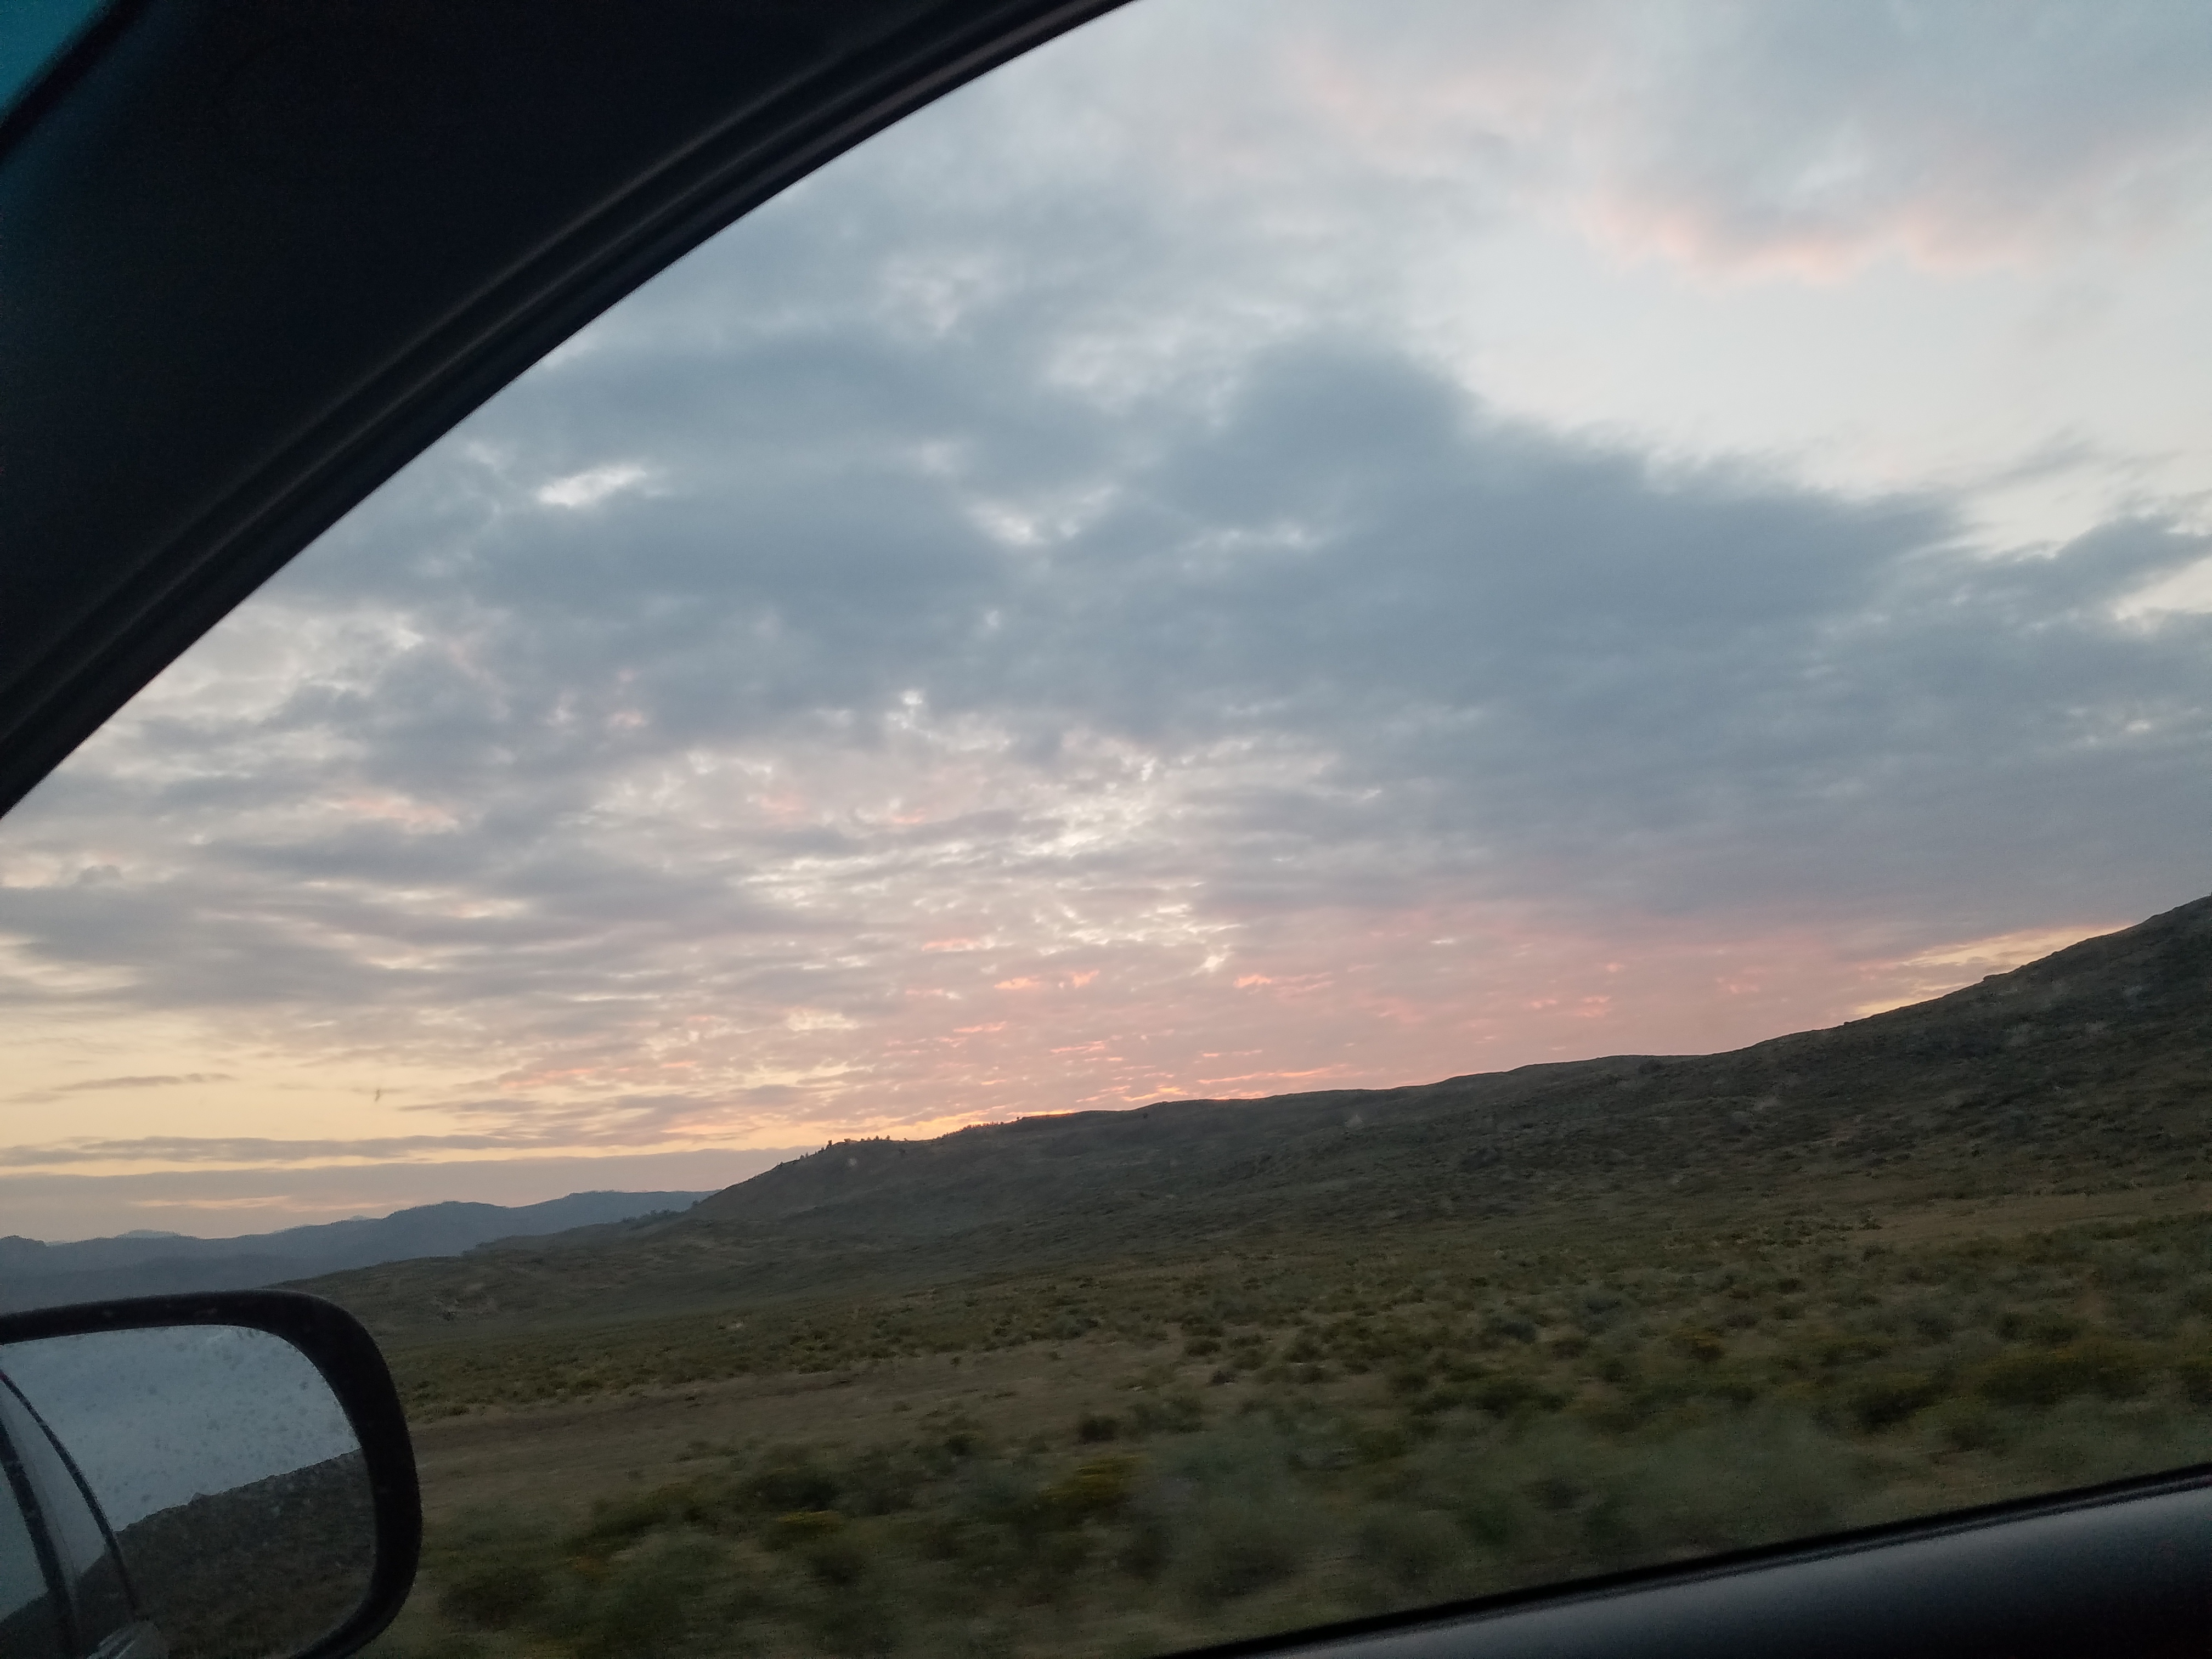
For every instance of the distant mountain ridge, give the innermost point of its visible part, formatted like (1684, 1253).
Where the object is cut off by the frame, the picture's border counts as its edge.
(35, 1274)
(2088, 1070)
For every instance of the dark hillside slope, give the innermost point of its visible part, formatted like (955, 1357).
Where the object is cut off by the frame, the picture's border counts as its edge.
(2089, 1069)
(2038, 1058)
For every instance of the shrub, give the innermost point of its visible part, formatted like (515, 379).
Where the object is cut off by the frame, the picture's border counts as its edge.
(1617, 1369)
(493, 1571)
(1504, 1396)
(1178, 1414)
(2195, 1376)
(2044, 1379)
(802, 1527)
(1514, 1328)
(882, 1482)
(495, 1595)
(1379, 1443)
(645, 1600)
(1970, 1425)
(1407, 1548)
(1932, 1321)
(2087, 1438)
(1703, 1345)
(1496, 1518)
(858, 1626)
(2051, 1329)
(790, 1480)
(1884, 1401)
(1236, 1546)
(1099, 1487)
(619, 1521)
(1149, 1544)
(837, 1558)
(1765, 1475)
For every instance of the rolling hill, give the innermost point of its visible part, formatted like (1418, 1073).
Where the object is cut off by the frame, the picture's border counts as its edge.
(2089, 1070)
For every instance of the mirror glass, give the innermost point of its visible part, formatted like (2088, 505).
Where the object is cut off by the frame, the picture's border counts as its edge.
(188, 1491)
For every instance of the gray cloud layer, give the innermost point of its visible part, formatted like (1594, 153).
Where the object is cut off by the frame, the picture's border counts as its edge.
(1046, 542)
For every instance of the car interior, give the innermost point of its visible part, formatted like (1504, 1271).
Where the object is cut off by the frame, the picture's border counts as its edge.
(254, 258)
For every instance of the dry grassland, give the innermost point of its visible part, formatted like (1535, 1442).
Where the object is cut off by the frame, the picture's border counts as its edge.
(1131, 1456)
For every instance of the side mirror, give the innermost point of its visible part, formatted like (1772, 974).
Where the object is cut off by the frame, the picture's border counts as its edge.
(224, 1476)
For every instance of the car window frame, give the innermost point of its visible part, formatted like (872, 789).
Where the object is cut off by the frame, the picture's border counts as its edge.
(120, 612)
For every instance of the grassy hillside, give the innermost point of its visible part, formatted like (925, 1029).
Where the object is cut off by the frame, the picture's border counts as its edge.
(1110, 1384)
(2086, 1071)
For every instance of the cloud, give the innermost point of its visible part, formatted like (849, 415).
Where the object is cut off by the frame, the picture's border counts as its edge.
(592, 485)
(103, 1083)
(1045, 647)
(1796, 137)
(514, 1124)
(1339, 643)
(241, 1149)
(203, 1202)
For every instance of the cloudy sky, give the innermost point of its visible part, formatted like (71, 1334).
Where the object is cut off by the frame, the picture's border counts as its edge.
(1267, 545)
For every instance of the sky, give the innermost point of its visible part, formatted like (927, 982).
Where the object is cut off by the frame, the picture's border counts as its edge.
(1267, 545)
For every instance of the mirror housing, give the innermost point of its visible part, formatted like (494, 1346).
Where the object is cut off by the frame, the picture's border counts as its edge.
(236, 1461)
